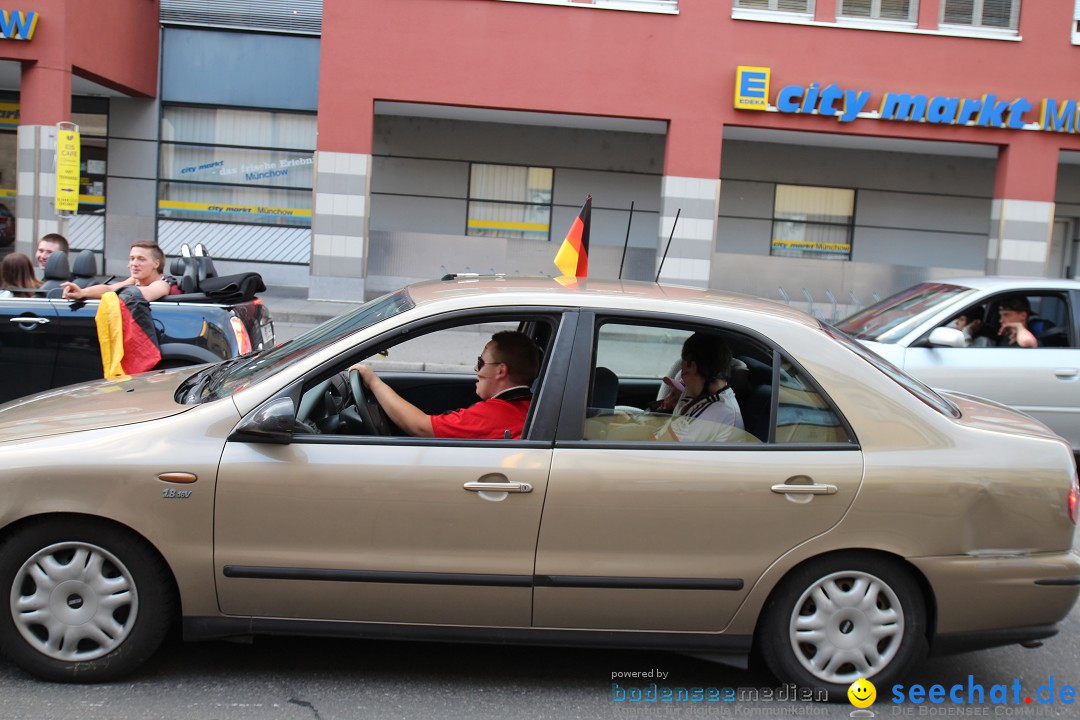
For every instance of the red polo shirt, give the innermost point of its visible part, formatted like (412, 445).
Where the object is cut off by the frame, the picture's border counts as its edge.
(488, 419)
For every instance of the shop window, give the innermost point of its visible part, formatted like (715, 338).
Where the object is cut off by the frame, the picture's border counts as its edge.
(93, 155)
(903, 10)
(983, 14)
(228, 165)
(509, 201)
(794, 6)
(813, 222)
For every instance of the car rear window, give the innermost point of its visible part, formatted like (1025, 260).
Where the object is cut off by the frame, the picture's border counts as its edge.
(913, 386)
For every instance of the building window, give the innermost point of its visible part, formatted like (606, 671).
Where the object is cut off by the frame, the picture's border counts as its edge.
(985, 14)
(813, 222)
(1076, 24)
(509, 201)
(805, 7)
(245, 166)
(878, 9)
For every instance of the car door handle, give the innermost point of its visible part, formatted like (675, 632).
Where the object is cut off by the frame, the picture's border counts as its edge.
(1066, 372)
(811, 489)
(510, 487)
(29, 320)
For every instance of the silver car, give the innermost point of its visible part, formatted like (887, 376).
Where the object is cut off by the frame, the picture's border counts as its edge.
(916, 330)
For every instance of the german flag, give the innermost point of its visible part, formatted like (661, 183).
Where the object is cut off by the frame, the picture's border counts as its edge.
(573, 256)
(126, 333)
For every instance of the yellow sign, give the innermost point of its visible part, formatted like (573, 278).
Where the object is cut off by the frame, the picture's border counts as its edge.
(229, 209)
(67, 171)
(752, 88)
(811, 245)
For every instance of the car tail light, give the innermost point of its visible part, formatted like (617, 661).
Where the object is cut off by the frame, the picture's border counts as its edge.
(243, 340)
(1074, 499)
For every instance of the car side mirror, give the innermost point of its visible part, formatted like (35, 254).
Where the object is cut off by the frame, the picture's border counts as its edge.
(271, 422)
(947, 337)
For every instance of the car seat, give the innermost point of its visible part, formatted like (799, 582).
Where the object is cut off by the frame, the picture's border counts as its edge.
(605, 389)
(56, 272)
(84, 269)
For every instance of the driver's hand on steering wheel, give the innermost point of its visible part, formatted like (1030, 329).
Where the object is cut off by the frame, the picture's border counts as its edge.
(367, 375)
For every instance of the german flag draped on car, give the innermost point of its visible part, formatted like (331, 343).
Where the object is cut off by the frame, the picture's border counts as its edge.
(126, 333)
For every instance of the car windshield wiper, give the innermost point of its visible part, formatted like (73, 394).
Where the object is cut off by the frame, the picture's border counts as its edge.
(197, 386)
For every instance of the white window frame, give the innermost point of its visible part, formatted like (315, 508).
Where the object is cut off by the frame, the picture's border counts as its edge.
(1076, 24)
(664, 7)
(875, 14)
(976, 26)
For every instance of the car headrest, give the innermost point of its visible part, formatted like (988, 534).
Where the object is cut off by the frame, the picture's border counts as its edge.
(605, 391)
(85, 264)
(177, 265)
(56, 267)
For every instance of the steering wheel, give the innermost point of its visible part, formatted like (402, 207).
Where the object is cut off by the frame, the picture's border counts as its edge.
(369, 409)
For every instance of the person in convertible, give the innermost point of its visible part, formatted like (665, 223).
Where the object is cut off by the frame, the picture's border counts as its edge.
(505, 371)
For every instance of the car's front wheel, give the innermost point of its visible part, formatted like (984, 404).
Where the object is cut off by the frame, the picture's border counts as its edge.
(842, 618)
(87, 602)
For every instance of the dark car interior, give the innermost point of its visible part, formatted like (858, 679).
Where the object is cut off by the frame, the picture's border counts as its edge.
(338, 404)
(1049, 320)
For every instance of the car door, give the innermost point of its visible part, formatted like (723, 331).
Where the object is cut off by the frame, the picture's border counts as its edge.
(1043, 382)
(78, 356)
(388, 529)
(29, 332)
(641, 534)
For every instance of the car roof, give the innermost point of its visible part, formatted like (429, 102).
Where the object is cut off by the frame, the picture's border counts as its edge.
(1006, 282)
(588, 292)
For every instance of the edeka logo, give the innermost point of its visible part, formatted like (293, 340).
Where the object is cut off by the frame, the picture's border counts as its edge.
(752, 88)
(17, 25)
(849, 104)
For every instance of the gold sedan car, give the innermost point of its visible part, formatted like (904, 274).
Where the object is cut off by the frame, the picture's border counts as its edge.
(842, 521)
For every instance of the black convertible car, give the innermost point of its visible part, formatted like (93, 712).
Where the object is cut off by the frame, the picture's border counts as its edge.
(47, 342)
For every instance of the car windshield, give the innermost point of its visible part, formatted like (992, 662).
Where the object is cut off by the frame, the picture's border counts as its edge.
(892, 318)
(223, 379)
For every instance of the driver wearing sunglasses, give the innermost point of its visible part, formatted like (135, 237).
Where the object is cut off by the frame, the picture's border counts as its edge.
(504, 371)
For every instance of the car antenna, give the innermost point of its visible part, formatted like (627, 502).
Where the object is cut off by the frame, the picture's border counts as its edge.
(677, 213)
(626, 243)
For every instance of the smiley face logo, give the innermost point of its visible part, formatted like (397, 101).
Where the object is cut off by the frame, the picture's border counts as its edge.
(862, 693)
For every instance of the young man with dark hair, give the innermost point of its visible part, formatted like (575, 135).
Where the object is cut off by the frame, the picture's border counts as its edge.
(1014, 311)
(504, 372)
(47, 245)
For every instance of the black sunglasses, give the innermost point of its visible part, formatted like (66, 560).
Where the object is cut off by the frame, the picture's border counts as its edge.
(481, 362)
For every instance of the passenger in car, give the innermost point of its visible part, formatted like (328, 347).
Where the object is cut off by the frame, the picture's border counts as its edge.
(17, 274)
(1014, 311)
(504, 372)
(707, 410)
(146, 263)
(47, 245)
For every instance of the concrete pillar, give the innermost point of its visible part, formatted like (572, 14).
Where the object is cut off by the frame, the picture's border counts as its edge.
(696, 201)
(35, 188)
(45, 99)
(339, 225)
(1022, 212)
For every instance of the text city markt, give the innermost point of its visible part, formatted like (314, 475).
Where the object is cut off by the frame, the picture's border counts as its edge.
(257, 171)
(846, 105)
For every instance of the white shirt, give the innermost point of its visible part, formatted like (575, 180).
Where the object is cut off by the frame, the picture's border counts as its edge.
(708, 419)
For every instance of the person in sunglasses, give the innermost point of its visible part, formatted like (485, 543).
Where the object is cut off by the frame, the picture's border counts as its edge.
(504, 373)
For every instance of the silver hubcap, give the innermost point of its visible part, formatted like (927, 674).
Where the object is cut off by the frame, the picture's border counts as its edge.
(846, 626)
(74, 601)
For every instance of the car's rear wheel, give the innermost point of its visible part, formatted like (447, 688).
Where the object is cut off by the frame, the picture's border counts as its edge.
(842, 618)
(87, 602)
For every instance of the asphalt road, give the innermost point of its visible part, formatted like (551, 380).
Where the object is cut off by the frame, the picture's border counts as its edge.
(306, 679)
